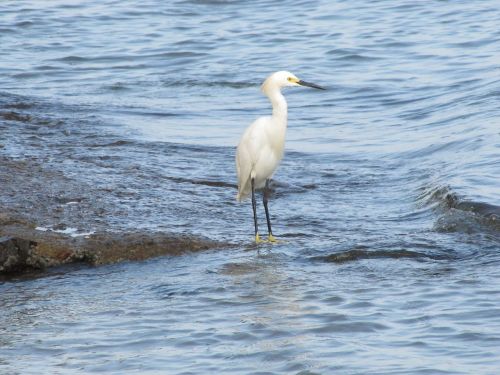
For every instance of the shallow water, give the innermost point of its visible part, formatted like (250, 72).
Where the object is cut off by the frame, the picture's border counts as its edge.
(387, 199)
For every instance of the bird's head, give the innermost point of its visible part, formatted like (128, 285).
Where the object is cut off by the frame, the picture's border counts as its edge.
(281, 79)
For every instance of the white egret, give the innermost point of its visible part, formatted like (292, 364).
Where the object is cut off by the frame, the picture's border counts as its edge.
(261, 147)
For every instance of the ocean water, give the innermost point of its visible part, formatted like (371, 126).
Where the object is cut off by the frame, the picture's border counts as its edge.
(387, 199)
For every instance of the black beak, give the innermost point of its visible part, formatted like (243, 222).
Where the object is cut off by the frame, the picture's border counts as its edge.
(309, 84)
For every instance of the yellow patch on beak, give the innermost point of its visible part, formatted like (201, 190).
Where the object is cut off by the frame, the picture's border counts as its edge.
(293, 80)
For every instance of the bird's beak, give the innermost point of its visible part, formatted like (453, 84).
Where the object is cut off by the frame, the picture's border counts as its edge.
(309, 84)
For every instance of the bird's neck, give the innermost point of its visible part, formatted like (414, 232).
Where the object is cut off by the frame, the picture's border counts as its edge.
(280, 108)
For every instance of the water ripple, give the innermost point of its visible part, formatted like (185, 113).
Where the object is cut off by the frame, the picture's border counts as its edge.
(124, 116)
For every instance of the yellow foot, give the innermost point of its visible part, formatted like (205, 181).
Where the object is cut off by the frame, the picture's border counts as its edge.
(271, 238)
(258, 240)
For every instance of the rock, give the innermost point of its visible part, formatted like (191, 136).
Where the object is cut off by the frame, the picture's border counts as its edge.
(17, 255)
(14, 116)
(49, 219)
(24, 249)
(115, 247)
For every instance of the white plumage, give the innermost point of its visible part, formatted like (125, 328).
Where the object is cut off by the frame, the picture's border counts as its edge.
(262, 145)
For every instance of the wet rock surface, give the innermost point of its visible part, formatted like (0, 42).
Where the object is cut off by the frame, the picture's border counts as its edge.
(16, 254)
(68, 195)
(24, 249)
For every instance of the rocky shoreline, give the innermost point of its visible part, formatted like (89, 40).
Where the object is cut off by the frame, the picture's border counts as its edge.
(23, 249)
(38, 204)
(71, 190)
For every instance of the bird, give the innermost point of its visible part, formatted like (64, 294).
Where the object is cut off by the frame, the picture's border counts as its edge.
(262, 144)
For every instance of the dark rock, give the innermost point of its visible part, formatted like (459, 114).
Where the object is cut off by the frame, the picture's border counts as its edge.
(17, 255)
(14, 116)
(46, 249)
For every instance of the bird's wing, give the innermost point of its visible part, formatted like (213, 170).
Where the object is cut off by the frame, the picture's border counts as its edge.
(243, 168)
(247, 155)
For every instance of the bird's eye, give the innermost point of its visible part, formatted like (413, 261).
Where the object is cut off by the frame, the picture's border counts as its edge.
(289, 79)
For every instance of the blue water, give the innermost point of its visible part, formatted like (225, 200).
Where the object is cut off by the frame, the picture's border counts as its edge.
(388, 196)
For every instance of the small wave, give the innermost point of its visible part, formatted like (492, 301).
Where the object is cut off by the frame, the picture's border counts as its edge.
(202, 182)
(358, 57)
(209, 2)
(458, 221)
(71, 59)
(19, 105)
(46, 67)
(467, 216)
(26, 75)
(472, 43)
(350, 55)
(24, 24)
(199, 83)
(113, 144)
(146, 113)
(361, 253)
(105, 58)
(459, 214)
(447, 199)
(177, 54)
(117, 86)
(393, 43)
(486, 210)
(280, 189)
(14, 116)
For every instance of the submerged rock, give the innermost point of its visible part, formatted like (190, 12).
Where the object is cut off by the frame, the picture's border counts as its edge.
(110, 248)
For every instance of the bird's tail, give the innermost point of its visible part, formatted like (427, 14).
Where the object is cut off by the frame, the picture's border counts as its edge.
(241, 195)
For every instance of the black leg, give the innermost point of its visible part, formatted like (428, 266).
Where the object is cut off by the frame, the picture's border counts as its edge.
(254, 207)
(265, 197)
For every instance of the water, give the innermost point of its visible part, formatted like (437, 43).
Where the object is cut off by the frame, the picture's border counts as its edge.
(387, 197)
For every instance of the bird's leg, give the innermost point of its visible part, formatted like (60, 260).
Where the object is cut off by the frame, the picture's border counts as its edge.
(265, 197)
(254, 207)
